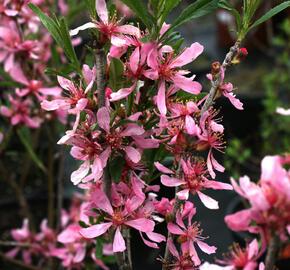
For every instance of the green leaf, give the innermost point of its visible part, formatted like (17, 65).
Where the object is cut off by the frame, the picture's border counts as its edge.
(198, 9)
(141, 11)
(169, 5)
(225, 5)
(116, 168)
(59, 31)
(272, 12)
(99, 248)
(91, 7)
(116, 73)
(24, 135)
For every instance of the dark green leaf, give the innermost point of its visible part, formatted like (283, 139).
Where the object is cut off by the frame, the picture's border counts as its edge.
(59, 31)
(198, 9)
(116, 167)
(272, 12)
(99, 248)
(141, 11)
(25, 137)
(169, 5)
(225, 5)
(116, 73)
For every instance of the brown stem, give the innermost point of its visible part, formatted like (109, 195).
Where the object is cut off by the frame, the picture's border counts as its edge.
(272, 253)
(101, 64)
(167, 255)
(216, 82)
(10, 180)
(60, 187)
(14, 244)
(50, 189)
(123, 258)
(17, 262)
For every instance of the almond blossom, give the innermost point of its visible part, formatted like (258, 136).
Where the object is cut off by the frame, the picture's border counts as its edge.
(109, 28)
(193, 180)
(168, 71)
(226, 89)
(242, 258)
(269, 200)
(117, 219)
(20, 112)
(189, 236)
(11, 43)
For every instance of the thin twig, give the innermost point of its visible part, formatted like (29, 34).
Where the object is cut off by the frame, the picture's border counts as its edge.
(218, 78)
(14, 244)
(123, 258)
(272, 252)
(101, 63)
(17, 262)
(10, 180)
(60, 186)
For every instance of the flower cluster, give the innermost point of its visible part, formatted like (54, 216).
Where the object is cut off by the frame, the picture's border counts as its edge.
(24, 54)
(155, 104)
(269, 201)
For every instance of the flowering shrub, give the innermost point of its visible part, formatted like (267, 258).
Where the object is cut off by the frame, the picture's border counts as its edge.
(138, 115)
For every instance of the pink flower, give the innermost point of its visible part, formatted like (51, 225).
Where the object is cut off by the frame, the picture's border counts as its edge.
(242, 258)
(190, 235)
(192, 180)
(211, 137)
(11, 44)
(75, 102)
(32, 86)
(181, 262)
(24, 236)
(135, 70)
(168, 71)
(20, 112)
(110, 28)
(226, 89)
(117, 219)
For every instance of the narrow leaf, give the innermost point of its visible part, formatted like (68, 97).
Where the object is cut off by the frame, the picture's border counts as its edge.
(25, 137)
(198, 9)
(272, 12)
(141, 11)
(168, 7)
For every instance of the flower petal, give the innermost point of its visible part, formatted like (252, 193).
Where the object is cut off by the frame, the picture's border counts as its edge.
(95, 230)
(188, 55)
(174, 229)
(133, 154)
(209, 202)
(102, 11)
(171, 181)
(161, 98)
(141, 224)
(119, 242)
(103, 117)
(206, 248)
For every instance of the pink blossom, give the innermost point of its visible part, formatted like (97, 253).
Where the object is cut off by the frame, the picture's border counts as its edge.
(192, 180)
(242, 258)
(34, 87)
(20, 112)
(110, 28)
(181, 262)
(11, 44)
(168, 70)
(189, 236)
(116, 219)
(211, 137)
(226, 89)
